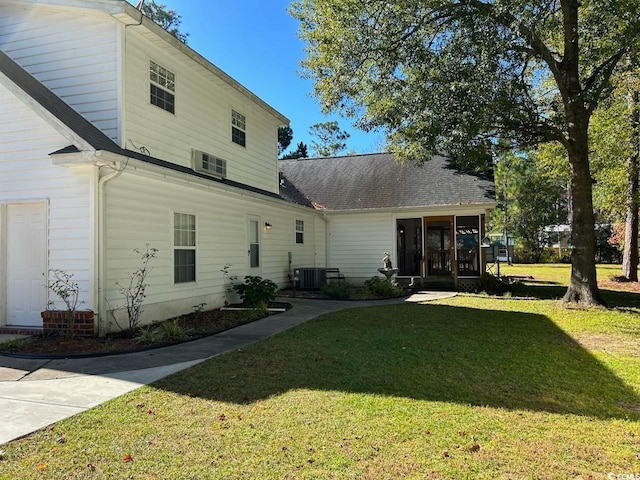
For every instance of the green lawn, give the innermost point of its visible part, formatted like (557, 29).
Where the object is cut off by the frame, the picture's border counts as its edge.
(469, 387)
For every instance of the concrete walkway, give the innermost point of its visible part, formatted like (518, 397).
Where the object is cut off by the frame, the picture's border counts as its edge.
(35, 393)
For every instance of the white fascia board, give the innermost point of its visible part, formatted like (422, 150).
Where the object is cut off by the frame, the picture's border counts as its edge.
(455, 209)
(86, 158)
(45, 114)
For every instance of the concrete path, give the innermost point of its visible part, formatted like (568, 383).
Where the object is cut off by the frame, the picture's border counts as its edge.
(35, 393)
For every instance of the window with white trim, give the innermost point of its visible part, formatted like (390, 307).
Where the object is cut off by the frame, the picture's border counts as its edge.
(184, 248)
(238, 128)
(299, 231)
(162, 87)
(207, 163)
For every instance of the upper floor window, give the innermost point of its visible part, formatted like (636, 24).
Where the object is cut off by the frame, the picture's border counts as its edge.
(162, 84)
(238, 128)
(299, 231)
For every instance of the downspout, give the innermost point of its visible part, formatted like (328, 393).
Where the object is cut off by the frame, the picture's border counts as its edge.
(117, 170)
(326, 237)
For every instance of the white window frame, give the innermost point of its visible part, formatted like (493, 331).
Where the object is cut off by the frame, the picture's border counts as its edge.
(239, 123)
(178, 246)
(165, 80)
(299, 231)
(204, 162)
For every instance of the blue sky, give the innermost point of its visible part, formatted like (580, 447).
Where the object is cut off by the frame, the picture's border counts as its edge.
(255, 42)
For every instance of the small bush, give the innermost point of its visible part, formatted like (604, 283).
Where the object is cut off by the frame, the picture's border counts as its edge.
(172, 330)
(149, 335)
(380, 287)
(256, 291)
(336, 291)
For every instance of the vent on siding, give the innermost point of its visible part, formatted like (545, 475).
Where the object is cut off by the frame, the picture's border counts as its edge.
(209, 164)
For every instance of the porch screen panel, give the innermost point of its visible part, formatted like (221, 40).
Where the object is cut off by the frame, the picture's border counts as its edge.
(467, 245)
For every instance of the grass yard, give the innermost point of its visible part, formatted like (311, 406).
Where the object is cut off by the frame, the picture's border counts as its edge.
(471, 387)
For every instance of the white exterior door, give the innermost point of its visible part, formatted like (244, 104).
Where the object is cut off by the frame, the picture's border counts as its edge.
(26, 264)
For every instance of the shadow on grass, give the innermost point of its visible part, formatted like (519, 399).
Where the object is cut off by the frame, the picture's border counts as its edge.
(501, 359)
(548, 291)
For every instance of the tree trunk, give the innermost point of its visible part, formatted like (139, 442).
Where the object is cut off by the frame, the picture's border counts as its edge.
(630, 255)
(583, 287)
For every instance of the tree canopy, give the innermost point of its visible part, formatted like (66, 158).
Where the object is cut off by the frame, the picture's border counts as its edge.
(299, 152)
(464, 76)
(329, 139)
(285, 136)
(167, 18)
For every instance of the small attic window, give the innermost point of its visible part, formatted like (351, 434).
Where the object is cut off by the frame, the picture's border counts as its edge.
(162, 87)
(209, 164)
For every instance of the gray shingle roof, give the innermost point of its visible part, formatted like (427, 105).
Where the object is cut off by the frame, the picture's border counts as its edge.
(378, 181)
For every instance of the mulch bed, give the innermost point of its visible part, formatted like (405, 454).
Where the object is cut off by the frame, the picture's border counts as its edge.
(195, 325)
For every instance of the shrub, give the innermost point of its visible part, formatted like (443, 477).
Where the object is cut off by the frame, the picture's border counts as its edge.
(380, 287)
(149, 335)
(337, 291)
(256, 291)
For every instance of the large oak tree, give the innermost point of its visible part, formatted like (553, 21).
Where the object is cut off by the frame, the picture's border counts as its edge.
(458, 75)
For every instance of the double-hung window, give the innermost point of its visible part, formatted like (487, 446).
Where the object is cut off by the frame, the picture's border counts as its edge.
(184, 248)
(238, 128)
(299, 231)
(162, 87)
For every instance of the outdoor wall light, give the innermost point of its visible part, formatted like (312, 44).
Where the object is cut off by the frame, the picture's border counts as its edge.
(267, 226)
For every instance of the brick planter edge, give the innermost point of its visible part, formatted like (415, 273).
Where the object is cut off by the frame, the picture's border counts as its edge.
(55, 321)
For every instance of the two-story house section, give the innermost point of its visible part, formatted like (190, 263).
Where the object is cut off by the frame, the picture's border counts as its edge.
(114, 136)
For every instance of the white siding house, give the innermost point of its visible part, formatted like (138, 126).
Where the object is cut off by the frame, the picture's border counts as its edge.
(117, 136)
(430, 219)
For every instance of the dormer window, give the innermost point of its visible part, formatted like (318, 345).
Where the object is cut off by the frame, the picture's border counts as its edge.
(162, 87)
(238, 128)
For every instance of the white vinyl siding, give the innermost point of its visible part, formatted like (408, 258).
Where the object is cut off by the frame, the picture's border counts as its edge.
(75, 56)
(357, 243)
(203, 116)
(221, 234)
(28, 175)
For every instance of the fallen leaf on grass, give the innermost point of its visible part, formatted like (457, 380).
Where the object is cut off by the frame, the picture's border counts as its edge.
(128, 458)
(474, 448)
(42, 466)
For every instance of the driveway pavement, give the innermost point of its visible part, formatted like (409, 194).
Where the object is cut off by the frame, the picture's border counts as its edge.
(35, 393)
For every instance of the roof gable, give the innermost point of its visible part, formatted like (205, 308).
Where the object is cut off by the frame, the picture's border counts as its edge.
(80, 131)
(377, 181)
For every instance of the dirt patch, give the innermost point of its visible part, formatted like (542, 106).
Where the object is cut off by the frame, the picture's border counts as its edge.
(170, 332)
(609, 343)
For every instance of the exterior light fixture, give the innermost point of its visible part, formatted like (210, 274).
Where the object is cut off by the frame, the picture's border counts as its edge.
(267, 226)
